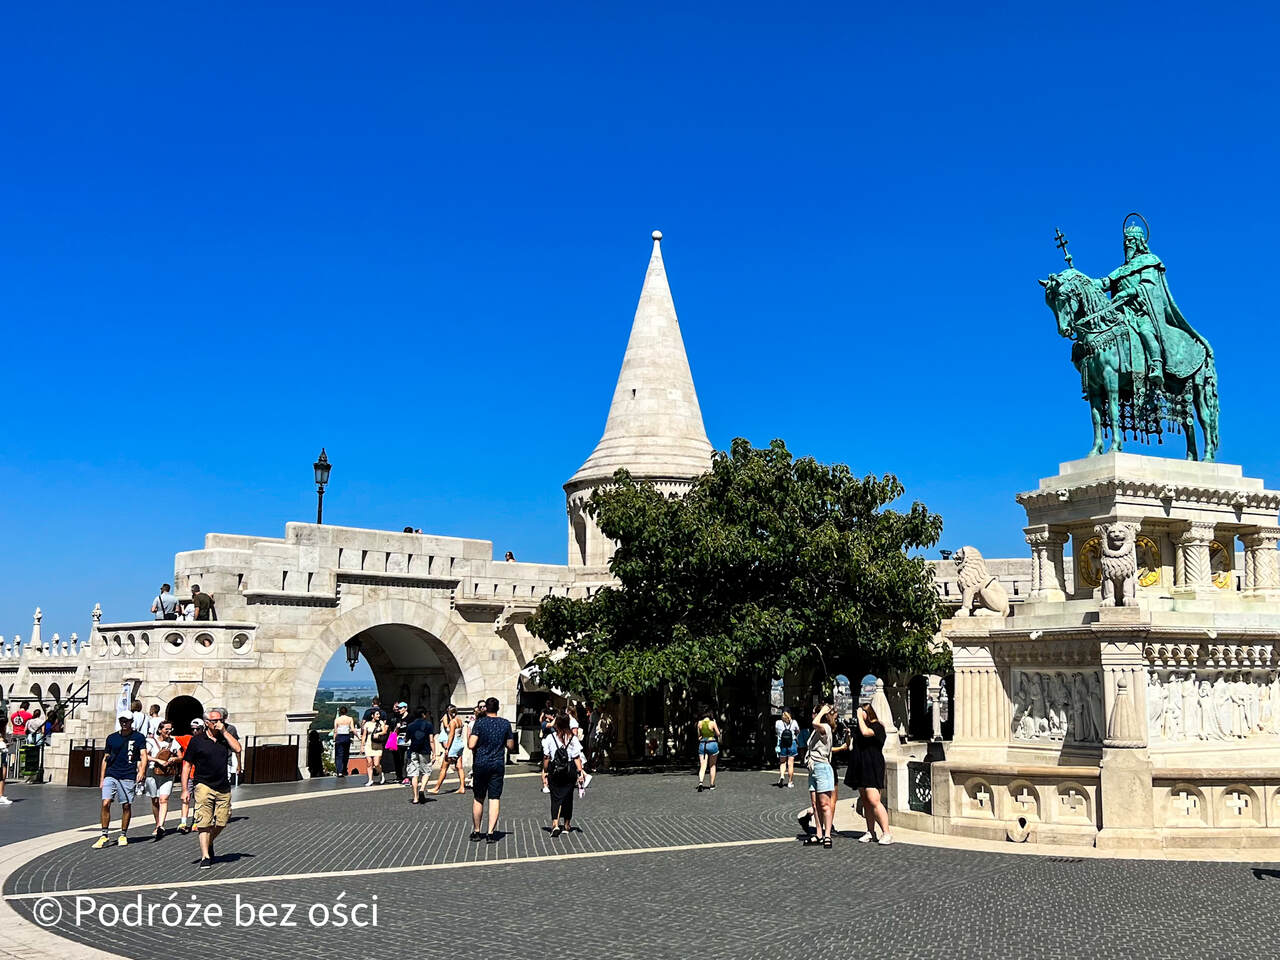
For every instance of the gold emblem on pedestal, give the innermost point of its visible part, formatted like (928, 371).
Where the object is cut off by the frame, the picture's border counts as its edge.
(1220, 563)
(1148, 562)
(1089, 567)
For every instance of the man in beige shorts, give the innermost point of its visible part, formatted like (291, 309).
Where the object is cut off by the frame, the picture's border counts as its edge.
(206, 762)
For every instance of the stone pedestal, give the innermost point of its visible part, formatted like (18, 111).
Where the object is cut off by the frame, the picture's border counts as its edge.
(1185, 513)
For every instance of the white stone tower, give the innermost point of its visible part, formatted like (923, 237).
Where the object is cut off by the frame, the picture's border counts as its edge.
(654, 428)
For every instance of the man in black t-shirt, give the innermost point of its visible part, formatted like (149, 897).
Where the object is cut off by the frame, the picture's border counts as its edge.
(205, 761)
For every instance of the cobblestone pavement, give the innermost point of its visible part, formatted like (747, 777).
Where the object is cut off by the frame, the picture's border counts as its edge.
(737, 885)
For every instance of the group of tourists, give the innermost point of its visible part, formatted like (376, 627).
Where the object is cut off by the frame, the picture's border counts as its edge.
(199, 606)
(860, 743)
(863, 742)
(201, 763)
(413, 747)
(145, 757)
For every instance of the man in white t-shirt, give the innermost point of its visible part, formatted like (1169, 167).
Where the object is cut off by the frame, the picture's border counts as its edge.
(164, 758)
(151, 725)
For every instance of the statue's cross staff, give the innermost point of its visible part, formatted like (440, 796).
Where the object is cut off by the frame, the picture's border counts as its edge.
(1062, 244)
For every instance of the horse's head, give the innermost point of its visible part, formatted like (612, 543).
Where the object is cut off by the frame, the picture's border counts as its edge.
(1066, 296)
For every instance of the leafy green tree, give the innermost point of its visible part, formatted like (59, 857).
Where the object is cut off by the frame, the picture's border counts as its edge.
(768, 564)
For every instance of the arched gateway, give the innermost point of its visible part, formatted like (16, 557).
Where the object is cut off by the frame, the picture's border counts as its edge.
(436, 618)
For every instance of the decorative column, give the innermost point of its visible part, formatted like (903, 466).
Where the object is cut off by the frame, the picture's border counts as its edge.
(981, 706)
(1048, 578)
(1261, 568)
(1127, 802)
(1191, 570)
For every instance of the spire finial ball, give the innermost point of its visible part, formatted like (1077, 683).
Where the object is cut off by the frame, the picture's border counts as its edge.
(657, 235)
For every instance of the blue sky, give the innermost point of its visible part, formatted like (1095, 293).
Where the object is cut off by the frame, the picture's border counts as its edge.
(416, 237)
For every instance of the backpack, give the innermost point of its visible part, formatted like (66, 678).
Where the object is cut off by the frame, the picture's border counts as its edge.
(786, 738)
(561, 765)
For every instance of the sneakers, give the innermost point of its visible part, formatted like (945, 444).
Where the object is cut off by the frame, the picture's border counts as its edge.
(475, 835)
(546, 789)
(886, 840)
(184, 827)
(101, 842)
(5, 801)
(556, 830)
(791, 785)
(781, 783)
(867, 837)
(700, 786)
(712, 787)
(205, 863)
(122, 841)
(492, 838)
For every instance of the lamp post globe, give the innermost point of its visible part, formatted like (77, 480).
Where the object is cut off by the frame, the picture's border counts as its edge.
(322, 468)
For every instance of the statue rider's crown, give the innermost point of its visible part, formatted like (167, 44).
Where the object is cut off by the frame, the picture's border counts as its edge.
(1135, 225)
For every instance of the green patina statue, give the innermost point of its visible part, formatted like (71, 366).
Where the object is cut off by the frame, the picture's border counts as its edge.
(1142, 365)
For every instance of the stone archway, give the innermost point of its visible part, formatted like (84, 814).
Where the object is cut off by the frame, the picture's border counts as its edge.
(445, 636)
(181, 710)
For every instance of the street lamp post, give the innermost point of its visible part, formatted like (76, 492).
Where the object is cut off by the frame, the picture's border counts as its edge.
(322, 469)
(353, 652)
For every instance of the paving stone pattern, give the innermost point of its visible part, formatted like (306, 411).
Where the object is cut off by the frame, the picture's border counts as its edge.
(745, 901)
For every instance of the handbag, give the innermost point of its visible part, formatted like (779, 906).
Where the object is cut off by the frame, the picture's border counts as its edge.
(393, 742)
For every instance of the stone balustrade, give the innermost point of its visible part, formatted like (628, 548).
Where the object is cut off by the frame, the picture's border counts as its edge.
(178, 639)
(55, 647)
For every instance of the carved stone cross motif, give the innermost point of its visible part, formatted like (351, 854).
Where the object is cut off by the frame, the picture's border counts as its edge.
(1188, 801)
(983, 798)
(1072, 801)
(1025, 799)
(1239, 802)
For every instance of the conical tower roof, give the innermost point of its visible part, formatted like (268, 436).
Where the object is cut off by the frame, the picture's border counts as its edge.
(655, 424)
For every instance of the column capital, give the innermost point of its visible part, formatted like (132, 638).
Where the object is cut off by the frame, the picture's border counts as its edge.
(1043, 535)
(1260, 536)
(1195, 533)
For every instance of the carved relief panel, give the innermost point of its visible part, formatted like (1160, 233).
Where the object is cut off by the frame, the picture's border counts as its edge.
(1057, 706)
(1198, 692)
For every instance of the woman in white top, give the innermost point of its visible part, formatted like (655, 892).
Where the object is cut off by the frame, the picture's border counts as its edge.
(787, 746)
(164, 757)
(344, 728)
(561, 772)
(822, 778)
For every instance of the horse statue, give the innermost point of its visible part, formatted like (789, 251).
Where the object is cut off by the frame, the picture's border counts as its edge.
(1142, 366)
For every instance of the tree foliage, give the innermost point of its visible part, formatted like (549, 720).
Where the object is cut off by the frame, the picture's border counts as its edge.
(768, 563)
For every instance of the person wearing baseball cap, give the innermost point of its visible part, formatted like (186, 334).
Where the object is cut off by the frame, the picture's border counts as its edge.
(184, 822)
(400, 721)
(124, 769)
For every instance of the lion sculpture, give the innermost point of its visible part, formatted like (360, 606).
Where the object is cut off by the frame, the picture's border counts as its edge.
(1119, 562)
(981, 594)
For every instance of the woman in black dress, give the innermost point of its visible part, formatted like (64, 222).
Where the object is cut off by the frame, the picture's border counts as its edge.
(866, 772)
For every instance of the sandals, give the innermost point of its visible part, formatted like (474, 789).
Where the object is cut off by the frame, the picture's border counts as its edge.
(826, 843)
(812, 841)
